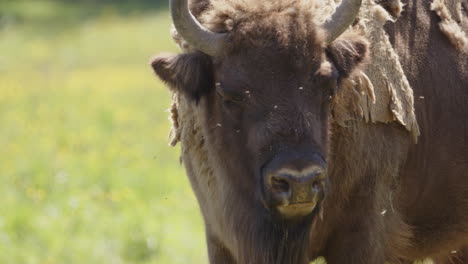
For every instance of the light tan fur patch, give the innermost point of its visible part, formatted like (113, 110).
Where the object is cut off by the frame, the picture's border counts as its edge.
(450, 15)
(380, 93)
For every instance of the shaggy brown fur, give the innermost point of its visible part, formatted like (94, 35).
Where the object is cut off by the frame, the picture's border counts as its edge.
(270, 93)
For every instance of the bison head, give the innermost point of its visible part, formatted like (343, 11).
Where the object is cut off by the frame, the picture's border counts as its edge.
(262, 87)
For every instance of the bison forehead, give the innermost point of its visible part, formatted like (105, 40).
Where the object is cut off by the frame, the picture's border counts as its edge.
(271, 64)
(283, 23)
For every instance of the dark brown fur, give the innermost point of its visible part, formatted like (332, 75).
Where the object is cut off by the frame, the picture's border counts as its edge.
(271, 90)
(434, 188)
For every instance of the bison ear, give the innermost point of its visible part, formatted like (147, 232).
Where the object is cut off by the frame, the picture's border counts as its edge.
(348, 52)
(188, 73)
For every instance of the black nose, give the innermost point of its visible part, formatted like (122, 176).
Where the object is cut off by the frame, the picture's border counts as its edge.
(295, 192)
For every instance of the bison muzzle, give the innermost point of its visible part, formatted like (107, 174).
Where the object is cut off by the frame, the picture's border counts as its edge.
(294, 183)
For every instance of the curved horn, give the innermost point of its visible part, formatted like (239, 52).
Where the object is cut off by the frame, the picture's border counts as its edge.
(193, 32)
(342, 18)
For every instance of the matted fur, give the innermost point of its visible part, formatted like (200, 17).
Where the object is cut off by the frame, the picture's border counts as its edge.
(394, 95)
(451, 15)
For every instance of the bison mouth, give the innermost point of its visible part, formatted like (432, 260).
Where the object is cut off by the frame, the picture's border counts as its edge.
(297, 210)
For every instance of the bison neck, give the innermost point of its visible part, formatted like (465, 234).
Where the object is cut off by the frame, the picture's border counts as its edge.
(269, 241)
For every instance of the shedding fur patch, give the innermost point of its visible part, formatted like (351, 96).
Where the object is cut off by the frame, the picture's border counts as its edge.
(174, 134)
(380, 93)
(450, 16)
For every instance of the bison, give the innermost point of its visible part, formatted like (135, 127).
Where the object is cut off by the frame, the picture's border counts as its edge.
(307, 136)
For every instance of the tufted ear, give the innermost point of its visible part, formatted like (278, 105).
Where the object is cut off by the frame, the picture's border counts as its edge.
(348, 52)
(188, 73)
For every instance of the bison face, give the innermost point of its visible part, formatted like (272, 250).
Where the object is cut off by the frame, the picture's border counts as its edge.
(274, 108)
(266, 114)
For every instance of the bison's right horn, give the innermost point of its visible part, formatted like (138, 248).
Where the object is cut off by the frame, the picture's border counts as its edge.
(193, 32)
(342, 18)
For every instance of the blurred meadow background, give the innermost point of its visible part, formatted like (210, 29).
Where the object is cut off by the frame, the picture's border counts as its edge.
(86, 173)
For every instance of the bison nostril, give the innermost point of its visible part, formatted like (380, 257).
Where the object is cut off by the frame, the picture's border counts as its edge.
(317, 185)
(279, 185)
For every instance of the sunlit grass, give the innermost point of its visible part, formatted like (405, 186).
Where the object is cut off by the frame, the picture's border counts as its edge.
(86, 173)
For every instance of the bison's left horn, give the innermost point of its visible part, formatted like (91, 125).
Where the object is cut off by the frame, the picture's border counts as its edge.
(193, 32)
(342, 18)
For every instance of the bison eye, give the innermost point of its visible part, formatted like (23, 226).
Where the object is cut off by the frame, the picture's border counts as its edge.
(229, 98)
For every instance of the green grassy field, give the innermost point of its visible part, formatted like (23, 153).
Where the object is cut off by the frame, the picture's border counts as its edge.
(86, 172)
